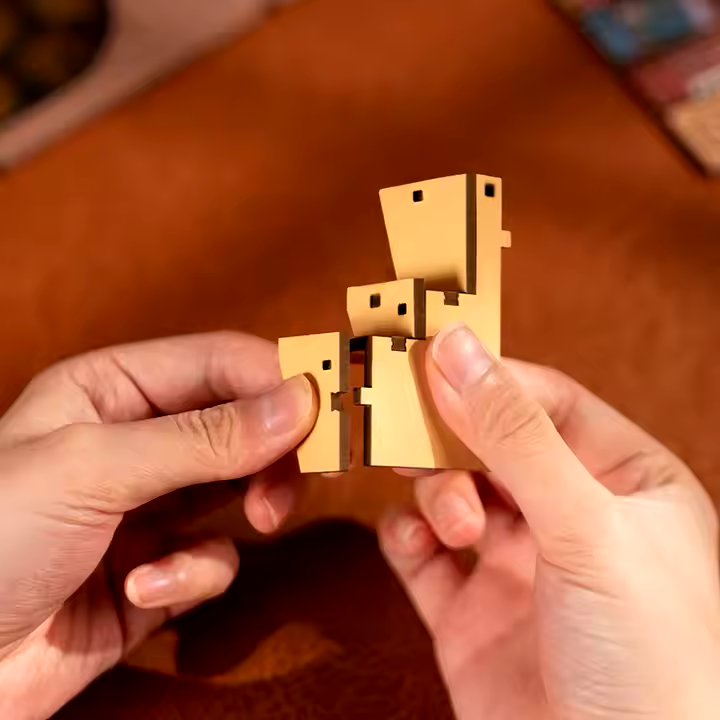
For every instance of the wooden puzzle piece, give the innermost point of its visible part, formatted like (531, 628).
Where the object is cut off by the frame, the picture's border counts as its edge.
(325, 360)
(393, 309)
(427, 226)
(402, 426)
(491, 239)
(447, 231)
(481, 315)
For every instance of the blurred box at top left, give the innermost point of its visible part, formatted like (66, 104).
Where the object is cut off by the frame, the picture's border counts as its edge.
(64, 61)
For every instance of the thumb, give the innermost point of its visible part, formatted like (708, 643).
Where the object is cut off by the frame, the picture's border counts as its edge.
(116, 468)
(513, 436)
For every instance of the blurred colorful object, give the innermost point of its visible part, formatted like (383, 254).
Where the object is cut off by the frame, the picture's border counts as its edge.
(669, 51)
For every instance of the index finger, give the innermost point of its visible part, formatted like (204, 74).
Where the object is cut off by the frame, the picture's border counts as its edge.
(141, 380)
(616, 451)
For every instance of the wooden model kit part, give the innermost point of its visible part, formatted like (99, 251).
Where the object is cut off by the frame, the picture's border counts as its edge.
(393, 308)
(446, 238)
(402, 426)
(440, 230)
(325, 360)
(483, 318)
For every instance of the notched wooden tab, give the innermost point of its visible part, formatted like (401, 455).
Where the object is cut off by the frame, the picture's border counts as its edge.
(358, 344)
(399, 344)
(362, 396)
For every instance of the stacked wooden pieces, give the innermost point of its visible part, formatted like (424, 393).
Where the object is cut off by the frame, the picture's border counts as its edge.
(446, 239)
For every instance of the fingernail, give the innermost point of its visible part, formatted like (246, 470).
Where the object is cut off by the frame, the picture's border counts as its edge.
(453, 509)
(457, 516)
(278, 501)
(286, 406)
(460, 356)
(151, 586)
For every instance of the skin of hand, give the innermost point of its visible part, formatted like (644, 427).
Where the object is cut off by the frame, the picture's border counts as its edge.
(592, 588)
(82, 579)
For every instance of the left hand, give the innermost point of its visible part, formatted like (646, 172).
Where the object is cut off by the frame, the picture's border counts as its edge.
(97, 437)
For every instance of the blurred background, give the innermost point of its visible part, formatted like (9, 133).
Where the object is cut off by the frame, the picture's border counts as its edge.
(241, 192)
(44, 44)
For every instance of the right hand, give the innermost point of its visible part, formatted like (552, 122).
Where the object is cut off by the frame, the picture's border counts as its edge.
(595, 591)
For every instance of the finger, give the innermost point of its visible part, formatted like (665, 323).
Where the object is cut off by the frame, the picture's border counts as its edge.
(414, 472)
(618, 453)
(186, 578)
(268, 503)
(428, 571)
(117, 468)
(138, 381)
(514, 437)
(449, 502)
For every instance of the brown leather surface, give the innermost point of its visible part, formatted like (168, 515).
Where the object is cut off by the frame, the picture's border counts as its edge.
(243, 194)
(316, 627)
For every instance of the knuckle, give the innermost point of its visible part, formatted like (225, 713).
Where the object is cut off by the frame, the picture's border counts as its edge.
(50, 378)
(69, 452)
(659, 468)
(559, 379)
(585, 544)
(644, 469)
(216, 433)
(655, 468)
(76, 441)
(562, 392)
(97, 374)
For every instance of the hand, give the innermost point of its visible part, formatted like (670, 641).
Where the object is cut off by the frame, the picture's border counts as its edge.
(595, 589)
(95, 438)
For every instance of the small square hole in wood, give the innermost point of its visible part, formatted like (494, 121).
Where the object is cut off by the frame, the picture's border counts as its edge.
(375, 300)
(490, 190)
(327, 364)
(402, 309)
(418, 196)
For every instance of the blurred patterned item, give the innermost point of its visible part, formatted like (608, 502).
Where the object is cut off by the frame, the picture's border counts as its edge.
(688, 73)
(45, 44)
(63, 61)
(669, 51)
(634, 29)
